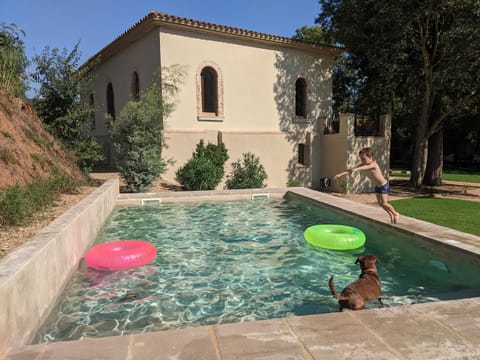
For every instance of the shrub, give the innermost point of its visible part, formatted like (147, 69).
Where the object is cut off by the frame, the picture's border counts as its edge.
(13, 61)
(137, 134)
(293, 183)
(18, 203)
(344, 184)
(137, 139)
(13, 206)
(247, 175)
(7, 156)
(7, 135)
(60, 106)
(87, 153)
(199, 174)
(205, 169)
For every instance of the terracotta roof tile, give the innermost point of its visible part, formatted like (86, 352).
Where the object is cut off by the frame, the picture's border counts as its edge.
(159, 19)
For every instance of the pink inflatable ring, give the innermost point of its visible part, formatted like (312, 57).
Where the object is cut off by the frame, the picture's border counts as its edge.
(120, 255)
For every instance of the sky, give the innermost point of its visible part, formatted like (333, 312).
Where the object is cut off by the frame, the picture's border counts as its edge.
(95, 23)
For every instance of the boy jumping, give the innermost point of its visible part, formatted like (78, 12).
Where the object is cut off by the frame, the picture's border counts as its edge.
(374, 173)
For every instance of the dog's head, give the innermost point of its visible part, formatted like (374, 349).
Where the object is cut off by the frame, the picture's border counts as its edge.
(367, 262)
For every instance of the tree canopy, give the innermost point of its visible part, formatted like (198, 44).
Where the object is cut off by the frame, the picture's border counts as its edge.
(61, 102)
(137, 134)
(417, 58)
(13, 61)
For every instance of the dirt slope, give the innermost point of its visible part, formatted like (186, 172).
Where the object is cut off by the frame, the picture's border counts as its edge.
(27, 150)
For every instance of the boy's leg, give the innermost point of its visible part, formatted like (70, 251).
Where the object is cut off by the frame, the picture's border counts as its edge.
(383, 202)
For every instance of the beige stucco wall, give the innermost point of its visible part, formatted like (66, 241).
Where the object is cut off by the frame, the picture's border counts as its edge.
(180, 146)
(276, 153)
(258, 101)
(275, 149)
(258, 82)
(142, 56)
(338, 152)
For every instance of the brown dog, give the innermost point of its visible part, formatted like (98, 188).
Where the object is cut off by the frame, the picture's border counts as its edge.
(366, 288)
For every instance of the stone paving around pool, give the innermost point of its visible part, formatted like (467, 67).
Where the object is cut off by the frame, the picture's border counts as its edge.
(437, 330)
(445, 330)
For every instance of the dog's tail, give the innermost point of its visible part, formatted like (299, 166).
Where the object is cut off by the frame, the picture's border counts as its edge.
(331, 285)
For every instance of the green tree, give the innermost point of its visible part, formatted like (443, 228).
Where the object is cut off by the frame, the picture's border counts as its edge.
(345, 80)
(312, 34)
(59, 102)
(247, 174)
(205, 169)
(137, 134)
(13, 61)
(419, 56)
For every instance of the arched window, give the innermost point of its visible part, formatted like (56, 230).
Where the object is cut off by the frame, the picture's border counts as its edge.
(110, 101)
(209, 85)
(209, 91)
(91, 102)
(300, 98)
(135, 86)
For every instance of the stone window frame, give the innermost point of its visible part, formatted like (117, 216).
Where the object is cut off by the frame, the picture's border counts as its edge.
(219, 115)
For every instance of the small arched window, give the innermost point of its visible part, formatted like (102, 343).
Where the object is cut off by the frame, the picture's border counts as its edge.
(110, 101)
(209, 86)
(300, 98)
(135, 86)
(209, 91)
(91, 102)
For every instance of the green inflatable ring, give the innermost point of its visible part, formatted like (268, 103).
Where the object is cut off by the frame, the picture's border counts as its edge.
(335, 237)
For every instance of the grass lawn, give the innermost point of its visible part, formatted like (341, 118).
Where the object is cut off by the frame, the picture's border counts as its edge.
(461, 176)
(457, 214)
(447, 175)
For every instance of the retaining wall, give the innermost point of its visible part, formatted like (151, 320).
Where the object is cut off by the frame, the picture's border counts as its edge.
(33, 276)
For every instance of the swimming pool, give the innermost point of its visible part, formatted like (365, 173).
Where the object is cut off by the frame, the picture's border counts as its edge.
(223, 262)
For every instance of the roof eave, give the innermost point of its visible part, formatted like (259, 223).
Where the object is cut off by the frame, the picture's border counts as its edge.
(158, 20)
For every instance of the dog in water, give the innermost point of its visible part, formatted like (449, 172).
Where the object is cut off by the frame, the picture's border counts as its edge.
(366, 288)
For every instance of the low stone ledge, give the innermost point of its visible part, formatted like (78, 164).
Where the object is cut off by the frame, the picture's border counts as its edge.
(33, 276)
(138, 199)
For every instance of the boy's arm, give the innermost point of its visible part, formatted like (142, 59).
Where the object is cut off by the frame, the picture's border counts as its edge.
(359, 167)
(362, 167)
(339, 175)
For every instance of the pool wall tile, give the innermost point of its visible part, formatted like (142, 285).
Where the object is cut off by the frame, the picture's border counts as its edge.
(33, 276)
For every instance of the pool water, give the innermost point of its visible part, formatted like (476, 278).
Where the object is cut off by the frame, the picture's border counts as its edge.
(235, 261)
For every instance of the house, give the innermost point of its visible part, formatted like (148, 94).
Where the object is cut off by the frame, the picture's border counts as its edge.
(254, 92)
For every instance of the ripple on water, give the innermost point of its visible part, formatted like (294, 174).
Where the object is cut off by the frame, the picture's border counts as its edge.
(236, 261)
